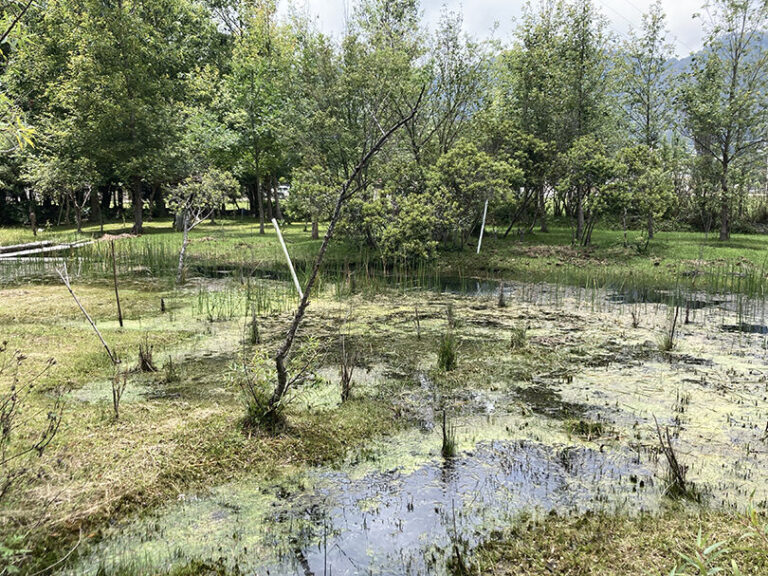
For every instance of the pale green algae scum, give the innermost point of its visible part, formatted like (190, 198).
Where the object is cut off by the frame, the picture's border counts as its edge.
(710, 391)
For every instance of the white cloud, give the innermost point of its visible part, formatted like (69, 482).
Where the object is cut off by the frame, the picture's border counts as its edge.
(480, 16)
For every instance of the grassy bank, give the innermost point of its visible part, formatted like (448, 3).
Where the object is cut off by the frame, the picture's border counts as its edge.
(609, 545)
(672, 260)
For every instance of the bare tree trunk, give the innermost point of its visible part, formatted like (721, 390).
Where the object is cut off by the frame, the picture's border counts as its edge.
(117, 291)
(579, 218)
(650, 226)
(278, 212)
(32, 215)
(138, 207)
(260, 202)
(725, 232)
(624, 225)
(543, 208)
(268, 197)
(95, 201)
(315, 227)
(183, 251)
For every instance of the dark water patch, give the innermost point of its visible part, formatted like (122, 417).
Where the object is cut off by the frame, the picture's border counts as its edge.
(669, 297)
(690, 360)
(388, 522)
(745, 328)
(546, 401)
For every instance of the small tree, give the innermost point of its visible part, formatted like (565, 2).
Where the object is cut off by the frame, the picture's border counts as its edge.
(463, 179)
(589, 173)
(195, 200)
(312, 192)
(650, 185)
(68, 180)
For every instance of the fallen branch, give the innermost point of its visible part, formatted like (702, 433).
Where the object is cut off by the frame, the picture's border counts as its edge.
(64, 275)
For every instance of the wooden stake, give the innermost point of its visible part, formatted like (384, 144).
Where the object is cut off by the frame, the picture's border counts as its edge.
(288, 257)
(117, 293)
(482, 229)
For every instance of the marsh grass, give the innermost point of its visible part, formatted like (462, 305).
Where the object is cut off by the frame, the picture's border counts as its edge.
(587, 429)
(206, 444)
(667, 340)
(620, 544)
(518, 338)
(447, 352)
(449, 448)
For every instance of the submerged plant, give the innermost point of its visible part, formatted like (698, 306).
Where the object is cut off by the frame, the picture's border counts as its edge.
(171, 372)
(450, 316)
(447, 353)
(678, 485)
(253, 380)
(254, 336)
(587, 429)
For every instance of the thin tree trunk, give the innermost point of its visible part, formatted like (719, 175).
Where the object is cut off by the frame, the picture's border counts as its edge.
(579, 218)
(138, 207)
(183, 251)
(32, 215)
(344, 194)
(624, 226)
(260, 202)
(650, 226)
(725, 232)
(543, 208)
(268, 197)
(95, 201)
(278, 212)
(114, 276)
(315, 228)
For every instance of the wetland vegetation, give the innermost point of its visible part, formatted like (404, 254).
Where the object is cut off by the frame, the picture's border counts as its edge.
(509, 316)
(473, 434)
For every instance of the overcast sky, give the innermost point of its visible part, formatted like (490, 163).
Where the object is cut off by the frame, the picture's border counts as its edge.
(480, 16)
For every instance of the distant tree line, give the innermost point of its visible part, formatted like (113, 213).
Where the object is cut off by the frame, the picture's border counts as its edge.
(111, 108)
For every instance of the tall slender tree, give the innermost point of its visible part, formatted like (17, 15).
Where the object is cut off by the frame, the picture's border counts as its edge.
(644, 82)
(725, 95)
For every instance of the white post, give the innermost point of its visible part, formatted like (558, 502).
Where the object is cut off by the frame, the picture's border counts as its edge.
(288, 257)
(482, 229)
